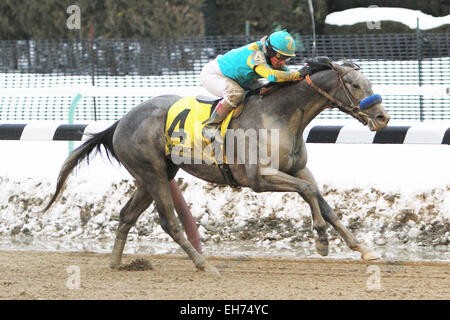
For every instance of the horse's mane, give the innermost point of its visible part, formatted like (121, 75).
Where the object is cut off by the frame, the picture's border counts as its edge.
(316, 64)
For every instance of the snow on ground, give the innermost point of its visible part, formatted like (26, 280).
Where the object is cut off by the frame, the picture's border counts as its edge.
(406, 16)
(388, 195)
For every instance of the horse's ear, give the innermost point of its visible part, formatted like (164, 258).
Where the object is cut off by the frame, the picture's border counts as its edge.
(335, 66)
(342, 67)
(329, 62)
(351, 64)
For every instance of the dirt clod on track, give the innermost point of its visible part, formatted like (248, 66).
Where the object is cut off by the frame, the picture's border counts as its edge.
(139, 264)
(57, 275)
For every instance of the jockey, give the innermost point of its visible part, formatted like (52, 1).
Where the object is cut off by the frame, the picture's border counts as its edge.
(228, 75)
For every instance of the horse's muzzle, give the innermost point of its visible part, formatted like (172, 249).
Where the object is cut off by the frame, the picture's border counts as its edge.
(378, 118)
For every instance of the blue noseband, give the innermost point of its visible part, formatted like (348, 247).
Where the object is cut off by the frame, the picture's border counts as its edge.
(370, 101)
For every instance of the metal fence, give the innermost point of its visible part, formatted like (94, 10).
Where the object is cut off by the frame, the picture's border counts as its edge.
(413, 69)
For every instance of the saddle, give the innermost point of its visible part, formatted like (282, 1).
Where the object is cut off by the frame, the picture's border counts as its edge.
(184, 124)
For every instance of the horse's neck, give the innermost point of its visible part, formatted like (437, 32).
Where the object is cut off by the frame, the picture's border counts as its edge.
(305, 103)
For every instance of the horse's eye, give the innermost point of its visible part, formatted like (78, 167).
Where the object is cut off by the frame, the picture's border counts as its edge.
(355, 85)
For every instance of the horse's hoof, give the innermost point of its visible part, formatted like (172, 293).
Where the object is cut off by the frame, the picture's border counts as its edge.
(370, 255)
(115, 266)
(322, 248)
(210, 268)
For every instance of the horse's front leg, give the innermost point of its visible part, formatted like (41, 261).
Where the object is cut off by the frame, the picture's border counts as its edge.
(279, 181)
(329, 215)
(327, 212)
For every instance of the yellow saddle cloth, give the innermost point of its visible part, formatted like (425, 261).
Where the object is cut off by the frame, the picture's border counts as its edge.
(183, 132)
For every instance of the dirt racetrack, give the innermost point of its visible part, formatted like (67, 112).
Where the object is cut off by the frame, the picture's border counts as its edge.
(54, 275)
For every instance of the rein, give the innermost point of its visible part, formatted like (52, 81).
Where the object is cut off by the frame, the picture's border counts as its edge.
(350, 108)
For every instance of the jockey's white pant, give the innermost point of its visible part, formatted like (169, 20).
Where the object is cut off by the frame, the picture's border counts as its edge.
(219, 85)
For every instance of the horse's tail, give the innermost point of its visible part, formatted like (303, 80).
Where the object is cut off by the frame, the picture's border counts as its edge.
(81, 154)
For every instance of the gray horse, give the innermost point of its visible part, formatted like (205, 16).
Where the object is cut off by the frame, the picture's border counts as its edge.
(137, 141)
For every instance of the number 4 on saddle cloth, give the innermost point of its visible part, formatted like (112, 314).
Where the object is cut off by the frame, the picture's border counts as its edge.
(183, 132)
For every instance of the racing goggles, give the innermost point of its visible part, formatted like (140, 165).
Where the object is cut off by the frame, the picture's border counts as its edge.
(282, 57)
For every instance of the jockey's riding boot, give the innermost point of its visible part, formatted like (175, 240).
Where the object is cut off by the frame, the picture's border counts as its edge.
(211, 131)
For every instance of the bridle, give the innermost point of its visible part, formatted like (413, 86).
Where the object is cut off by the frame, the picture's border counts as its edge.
(350, 107)
(356, 110)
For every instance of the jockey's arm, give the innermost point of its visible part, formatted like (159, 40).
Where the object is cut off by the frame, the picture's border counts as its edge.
(259, 64)
(273, 75)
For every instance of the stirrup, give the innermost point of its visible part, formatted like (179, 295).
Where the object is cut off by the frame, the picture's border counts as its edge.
(212, 134)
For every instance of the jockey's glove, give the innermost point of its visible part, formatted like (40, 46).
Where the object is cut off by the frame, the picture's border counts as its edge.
(305, 71)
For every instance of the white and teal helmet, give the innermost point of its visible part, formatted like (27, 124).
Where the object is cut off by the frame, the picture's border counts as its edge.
(281, 42)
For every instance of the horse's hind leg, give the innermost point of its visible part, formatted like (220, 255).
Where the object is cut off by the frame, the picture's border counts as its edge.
(159, 189)
(129, 214)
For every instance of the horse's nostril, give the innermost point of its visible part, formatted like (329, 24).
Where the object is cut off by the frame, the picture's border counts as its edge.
(382, 118)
